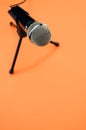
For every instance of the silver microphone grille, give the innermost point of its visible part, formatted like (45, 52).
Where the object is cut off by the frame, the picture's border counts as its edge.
(39, 33)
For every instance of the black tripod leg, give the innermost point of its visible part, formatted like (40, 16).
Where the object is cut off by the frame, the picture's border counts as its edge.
(55, 43)
(13, 25)
(15, 57)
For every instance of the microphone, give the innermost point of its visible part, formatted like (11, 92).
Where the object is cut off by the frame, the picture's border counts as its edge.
(37, 32)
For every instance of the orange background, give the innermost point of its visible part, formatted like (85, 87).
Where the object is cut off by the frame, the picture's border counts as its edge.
(48, 89)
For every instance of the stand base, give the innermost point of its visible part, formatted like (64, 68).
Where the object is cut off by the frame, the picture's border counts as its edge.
(21, 34)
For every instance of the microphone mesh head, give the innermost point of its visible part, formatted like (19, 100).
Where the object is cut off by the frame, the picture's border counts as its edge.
(39, 33)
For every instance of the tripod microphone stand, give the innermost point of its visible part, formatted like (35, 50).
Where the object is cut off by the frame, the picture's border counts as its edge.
(21, 34)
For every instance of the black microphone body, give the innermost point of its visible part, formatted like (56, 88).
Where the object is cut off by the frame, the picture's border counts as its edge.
(37, 32)
(22, 18)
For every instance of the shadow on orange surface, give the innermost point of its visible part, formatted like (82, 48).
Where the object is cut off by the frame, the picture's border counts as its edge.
(37, 63)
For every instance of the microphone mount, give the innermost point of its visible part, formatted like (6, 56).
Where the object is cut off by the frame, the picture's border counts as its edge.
(21, 33)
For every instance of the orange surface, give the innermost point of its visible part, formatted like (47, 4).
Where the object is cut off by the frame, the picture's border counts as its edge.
(48, 89)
